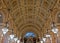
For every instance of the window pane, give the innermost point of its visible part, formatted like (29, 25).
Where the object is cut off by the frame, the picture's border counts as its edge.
(29, 34)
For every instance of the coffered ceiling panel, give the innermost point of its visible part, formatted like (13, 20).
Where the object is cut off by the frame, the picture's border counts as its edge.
(35, 12)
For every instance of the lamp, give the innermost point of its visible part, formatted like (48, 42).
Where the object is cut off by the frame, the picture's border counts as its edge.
(41, 41)
(5, 29)
(12, 35)
(44, 39)
(55, 31)
(15, 38)
(48, 35)
(54, 28)
(18, 41)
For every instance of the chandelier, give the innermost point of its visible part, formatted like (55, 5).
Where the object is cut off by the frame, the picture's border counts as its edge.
(12, 35)
(54, 28)
(41, 41)
(15, 38)
(44, 39)
(5, 29)
(47, 34)
(18, 41)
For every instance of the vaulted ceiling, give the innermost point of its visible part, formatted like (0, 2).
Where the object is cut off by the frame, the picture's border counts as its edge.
(30, 15)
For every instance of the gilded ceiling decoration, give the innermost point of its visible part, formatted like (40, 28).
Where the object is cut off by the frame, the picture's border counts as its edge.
(30, 12)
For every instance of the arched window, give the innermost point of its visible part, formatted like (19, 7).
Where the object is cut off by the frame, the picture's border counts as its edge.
(29, 34)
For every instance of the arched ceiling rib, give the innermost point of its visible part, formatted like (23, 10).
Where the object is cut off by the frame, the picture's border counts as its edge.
(30, 28)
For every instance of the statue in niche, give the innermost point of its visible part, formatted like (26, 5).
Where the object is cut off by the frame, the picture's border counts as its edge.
(29, 40)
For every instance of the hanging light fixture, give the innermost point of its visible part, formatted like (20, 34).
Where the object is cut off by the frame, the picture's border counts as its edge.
(48, 35)
(54, 28)
(18, 41)
(44, 39)
(12, 35)
(41, 41)
(5, 29)
(16, 38)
